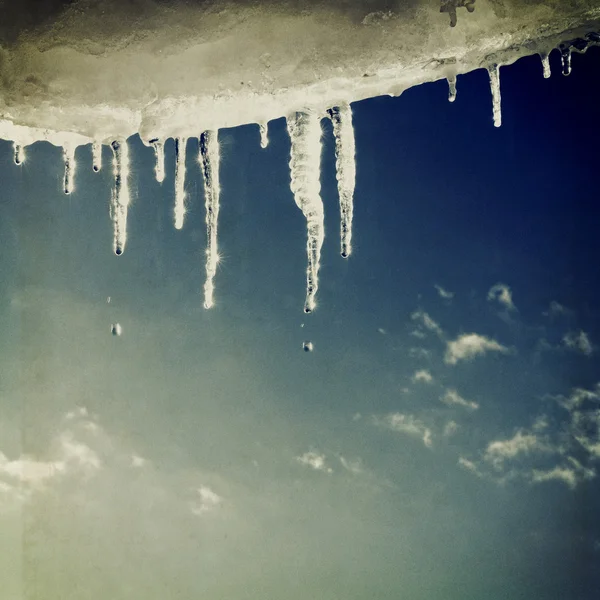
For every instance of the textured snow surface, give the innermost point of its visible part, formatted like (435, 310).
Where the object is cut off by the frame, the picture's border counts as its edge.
(83, 70)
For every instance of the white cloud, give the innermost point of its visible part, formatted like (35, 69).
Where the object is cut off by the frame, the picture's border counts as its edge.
(208, 500)
(422, 376)
(407, 424)
(522, 443)
(315, 461)
(452, 397)
(469, 345)
(501, 293)
(444, 293)
(578, 342)
(426, 321)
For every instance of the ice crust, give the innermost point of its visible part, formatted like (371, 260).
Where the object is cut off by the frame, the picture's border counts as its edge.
(99, 70)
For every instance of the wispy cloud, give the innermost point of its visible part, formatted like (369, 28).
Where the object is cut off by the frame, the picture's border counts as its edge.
(502, 294)
(445, 294)
(407, 424)
(452, 397)
(353, 466)
(416, 352)
(522, 443)
(557, 310)
(571, 474)
(315, 461)
(470, 466)
(424, 320)
(578, 342)
(470, 345)
(422, 376)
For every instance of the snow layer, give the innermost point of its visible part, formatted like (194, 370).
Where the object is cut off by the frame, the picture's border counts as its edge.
(99, 70)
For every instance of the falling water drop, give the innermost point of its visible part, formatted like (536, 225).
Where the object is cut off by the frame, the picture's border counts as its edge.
(116, 329)
(307, 346)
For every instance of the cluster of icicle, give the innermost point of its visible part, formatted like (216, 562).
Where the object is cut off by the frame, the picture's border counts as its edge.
(305, 158)
(304, 128)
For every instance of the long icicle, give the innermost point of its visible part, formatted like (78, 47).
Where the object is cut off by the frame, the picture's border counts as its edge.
(494, 73)
(345, 171)
(120, 195)
(180, 148)
(96, 156)
(209, 160)
(69, 157)
(19, 155)
(304, 129)
(159, 153)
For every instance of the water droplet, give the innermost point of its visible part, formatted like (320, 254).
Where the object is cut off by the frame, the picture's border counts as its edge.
(116, 329)
(108, 300)
(307, 346)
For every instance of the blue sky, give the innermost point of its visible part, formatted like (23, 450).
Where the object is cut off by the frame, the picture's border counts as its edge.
(441, 441)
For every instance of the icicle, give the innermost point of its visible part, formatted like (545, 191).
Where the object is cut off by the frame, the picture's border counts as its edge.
(304, 129)
(264, 134)
(546, 65)
(120, 195)
(96, 156)
(69, 157)
(180, 147)
(19, 154)
(451, 88)
(209, 160)
(565, 58)
(494, 73)
(345, 171)
(159, 153)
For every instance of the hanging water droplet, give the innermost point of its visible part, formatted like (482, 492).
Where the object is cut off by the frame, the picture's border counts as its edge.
(307, 346)
(116, 329)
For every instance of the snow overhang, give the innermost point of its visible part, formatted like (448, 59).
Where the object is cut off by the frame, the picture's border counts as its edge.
(100, 70)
